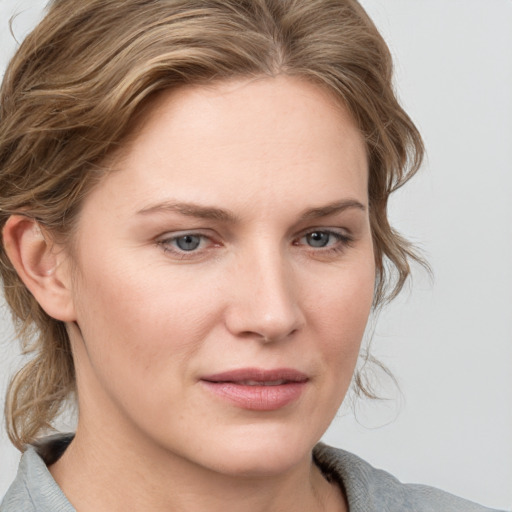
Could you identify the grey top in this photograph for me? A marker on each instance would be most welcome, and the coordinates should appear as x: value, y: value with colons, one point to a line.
x: 367, y: 489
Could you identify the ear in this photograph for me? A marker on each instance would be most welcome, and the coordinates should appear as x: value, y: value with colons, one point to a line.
x: 41, y: 265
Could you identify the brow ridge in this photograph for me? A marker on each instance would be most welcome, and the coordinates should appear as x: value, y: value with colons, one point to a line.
x: 223, y: 215
x: 332, y: 209
x: 191, y: 210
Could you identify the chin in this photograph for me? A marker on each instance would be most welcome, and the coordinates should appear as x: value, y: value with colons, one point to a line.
x: 260, y: 453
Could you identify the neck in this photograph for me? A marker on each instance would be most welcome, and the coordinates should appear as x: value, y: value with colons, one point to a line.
x: 103, y: 474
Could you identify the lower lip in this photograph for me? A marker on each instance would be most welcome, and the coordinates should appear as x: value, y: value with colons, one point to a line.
x: 257, y: 398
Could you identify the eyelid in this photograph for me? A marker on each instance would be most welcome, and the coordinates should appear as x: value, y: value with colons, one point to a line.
x: 164, y: 242
x: 172, y: 235
x: 344, y: 239
x: 342, y: 232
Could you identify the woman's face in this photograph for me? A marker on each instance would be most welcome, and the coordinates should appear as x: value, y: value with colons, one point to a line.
x: 224, y: 276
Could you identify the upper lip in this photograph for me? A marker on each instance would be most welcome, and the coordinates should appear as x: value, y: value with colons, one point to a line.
x: 257, y: 375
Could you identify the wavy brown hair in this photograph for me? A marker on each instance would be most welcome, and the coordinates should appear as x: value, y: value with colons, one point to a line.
x: 70, y: 95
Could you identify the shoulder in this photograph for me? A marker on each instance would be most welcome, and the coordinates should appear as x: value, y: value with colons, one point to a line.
x: 372, y: 490
x: 34, y: 489
x: 18, y: 496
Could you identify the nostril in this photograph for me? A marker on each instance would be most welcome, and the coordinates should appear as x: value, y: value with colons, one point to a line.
x: 268, y: 337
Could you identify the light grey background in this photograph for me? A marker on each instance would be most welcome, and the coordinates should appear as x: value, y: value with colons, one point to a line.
x: 449, y: 343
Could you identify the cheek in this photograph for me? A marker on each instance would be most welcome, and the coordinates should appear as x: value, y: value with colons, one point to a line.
x: 135, y: 322
x: 339, y: 315
x: 140, y: 335
x: 342, y: 310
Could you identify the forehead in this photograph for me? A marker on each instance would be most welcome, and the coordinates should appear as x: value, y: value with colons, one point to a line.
x: 245, y: 137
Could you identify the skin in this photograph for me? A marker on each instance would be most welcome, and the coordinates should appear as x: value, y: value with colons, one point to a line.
x: 148, y: 320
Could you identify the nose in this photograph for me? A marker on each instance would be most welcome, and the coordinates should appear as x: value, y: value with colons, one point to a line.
x: 264, y: 302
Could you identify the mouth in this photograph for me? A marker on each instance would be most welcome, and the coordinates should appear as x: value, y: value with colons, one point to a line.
x: 258, y: 376
x: 259, y: 383
x: 256, y: 389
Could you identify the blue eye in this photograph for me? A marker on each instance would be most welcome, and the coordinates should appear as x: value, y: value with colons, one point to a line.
x: 324, y: 242
x: 320, y: 238
x: 188, y: 243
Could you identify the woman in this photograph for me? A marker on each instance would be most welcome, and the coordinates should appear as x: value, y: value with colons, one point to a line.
x: 193, y: 206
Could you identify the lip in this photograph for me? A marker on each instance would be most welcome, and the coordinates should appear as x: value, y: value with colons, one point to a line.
x: 257, y: 389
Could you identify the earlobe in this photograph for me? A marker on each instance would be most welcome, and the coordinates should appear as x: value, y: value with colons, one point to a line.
x: 41, y: 266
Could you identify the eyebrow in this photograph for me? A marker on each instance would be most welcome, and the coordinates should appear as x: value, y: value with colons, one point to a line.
x: 332, y: 209
x: 191, y: 210
x: 222, y: 215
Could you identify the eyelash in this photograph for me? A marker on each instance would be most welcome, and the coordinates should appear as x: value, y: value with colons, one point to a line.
x: 342, y: 241
x: 166, y: 244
